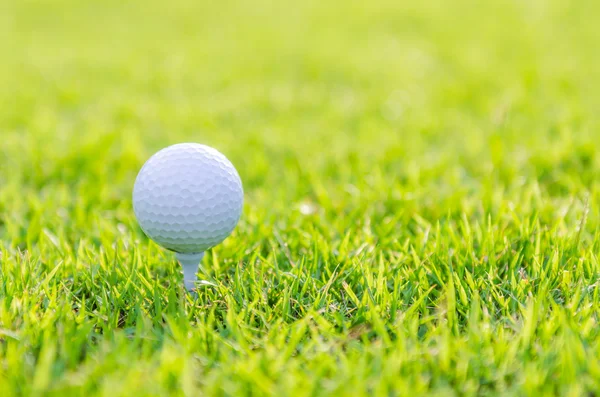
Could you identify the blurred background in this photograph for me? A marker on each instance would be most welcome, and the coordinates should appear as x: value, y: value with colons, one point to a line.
x: 425, y: 107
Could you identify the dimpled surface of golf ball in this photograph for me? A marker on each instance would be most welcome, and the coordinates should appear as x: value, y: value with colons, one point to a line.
x: 188, y: 198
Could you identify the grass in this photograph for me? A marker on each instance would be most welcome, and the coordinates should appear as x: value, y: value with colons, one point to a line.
x: 421, y: 209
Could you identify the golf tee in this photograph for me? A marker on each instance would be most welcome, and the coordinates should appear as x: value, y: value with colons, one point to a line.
x: 189, y: 263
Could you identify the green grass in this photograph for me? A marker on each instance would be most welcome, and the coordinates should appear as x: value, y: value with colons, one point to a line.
x: 422, y: 197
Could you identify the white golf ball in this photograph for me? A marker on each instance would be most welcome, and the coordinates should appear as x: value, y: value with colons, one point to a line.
x: 188, y: 198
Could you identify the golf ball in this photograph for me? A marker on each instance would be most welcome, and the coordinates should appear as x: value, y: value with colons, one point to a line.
x: 188, y: 198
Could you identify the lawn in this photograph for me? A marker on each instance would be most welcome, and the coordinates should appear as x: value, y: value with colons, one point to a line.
x: 421, y: 197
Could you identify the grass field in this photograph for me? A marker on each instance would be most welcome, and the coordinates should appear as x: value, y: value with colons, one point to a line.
x: 422, y: 198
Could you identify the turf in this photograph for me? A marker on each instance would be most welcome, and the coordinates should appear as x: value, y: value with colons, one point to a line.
x: 421, y: 186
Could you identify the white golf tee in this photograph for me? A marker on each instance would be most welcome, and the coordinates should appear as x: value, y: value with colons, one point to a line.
x: 189, y: 263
